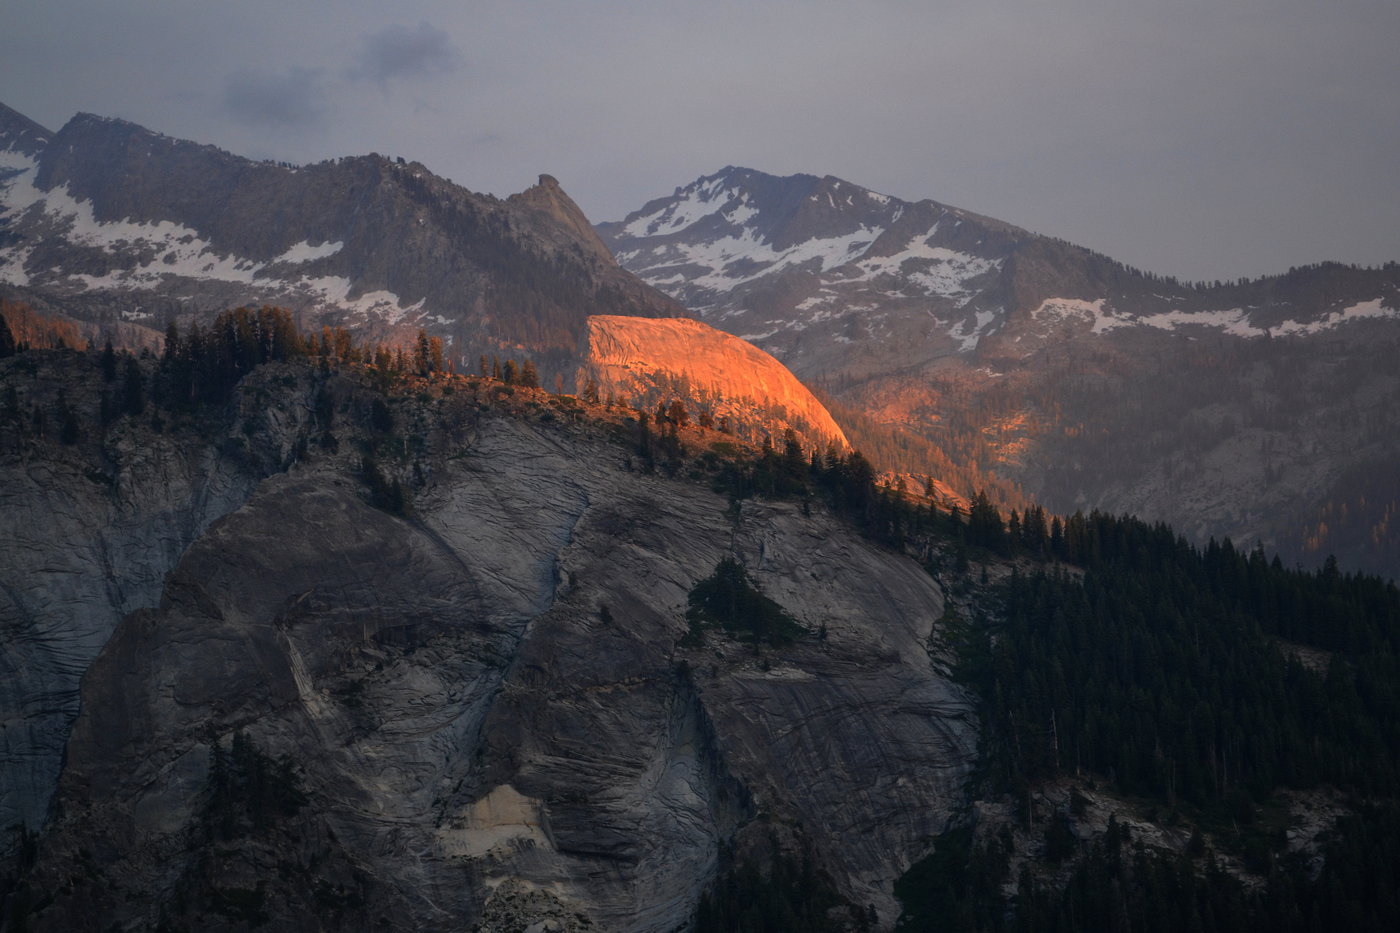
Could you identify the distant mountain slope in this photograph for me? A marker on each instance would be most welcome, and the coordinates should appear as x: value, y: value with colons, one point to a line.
x: 785, y: 260
x: 20, y: 135
x: 1257, y: 409
x: 107, y: 220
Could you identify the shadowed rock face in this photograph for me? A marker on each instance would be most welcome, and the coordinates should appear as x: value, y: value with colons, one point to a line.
x: 677, y: 357
x: 489, y: 696
x: 88, y: 533
x: 559, y: 212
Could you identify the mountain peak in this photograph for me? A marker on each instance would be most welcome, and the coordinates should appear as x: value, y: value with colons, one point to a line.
x: 20, y: 134
x: 121, y: 219
x: 547, y: 197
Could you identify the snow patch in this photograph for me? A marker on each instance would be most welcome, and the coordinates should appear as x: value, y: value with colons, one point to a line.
x: 1059, y: 309
x: 691, y: 206
x: 177, y: 251
x: 1232, y: 321
x: 1357, y: 312
x: 748, y: 251
x: 15, y: 161
x: 336, y: 290
x: 12, y: 266
x: 823, y: 297
x: 983, y: 324
x: 305, y: 252
x: 19, y: 191
x: 935, y: 270
x: 754, y: 338
x: 741, y: 213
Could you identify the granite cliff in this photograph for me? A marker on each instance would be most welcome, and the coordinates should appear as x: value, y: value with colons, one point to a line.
x: 478, y: 700
x: 90, y: 530
x: 653, y: 361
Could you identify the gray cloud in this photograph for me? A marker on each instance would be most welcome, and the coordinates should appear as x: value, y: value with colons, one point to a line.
x: 400, y: 52
x: 293, y: 98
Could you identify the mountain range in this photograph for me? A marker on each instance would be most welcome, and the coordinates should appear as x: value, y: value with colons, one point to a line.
x: 112, y: 223
x: 1265, y: 410
x: 121, y: 231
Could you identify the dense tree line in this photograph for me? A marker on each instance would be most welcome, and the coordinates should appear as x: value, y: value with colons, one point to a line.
x: 1162, y: 668
x: 783, y: 893
x: 203, y: 365
x: 1203, y: 679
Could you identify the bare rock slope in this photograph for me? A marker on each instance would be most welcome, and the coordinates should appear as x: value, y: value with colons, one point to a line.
x: 681, y: 358
x: 88, y: 532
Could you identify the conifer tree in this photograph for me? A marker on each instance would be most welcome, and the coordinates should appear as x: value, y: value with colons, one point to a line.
x: 109, y: 361
x: 134, y: 388
x: 8, y: 346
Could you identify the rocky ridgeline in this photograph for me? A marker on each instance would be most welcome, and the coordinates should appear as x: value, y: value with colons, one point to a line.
x: 107, y: 221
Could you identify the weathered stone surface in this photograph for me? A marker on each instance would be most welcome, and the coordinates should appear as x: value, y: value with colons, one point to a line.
x: 88, y: 533
x: 487, y: 704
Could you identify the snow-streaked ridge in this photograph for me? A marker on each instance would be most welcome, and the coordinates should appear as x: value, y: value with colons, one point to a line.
x: 694, y: 204
x: 737, y: 247
x: 743, y: 257
x: 935, y: 271
x: 176, y: 251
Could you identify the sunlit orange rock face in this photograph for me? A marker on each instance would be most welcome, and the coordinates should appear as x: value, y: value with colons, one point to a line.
x: 649, y: 361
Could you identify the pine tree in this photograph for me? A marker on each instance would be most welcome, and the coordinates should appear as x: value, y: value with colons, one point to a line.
x: 109, y: 361
x: 134, y: 388
x: 8, y: 346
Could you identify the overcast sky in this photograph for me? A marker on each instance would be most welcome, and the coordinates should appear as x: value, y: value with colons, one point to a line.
x: 1211, y: 139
